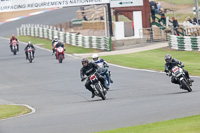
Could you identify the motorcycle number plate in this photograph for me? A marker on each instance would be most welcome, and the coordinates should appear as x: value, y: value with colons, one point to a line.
x: 175, y: 69
x: 92, y: 77
x: 30, y: 49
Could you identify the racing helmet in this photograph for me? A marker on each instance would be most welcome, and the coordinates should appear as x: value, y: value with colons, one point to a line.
x: 56, y: 38
x: 84, y: 62
x: 95, y: 57
x: 168, y: 58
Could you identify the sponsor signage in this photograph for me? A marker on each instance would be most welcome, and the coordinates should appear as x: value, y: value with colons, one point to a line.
x: 125, y: 3
x: 17, y: 5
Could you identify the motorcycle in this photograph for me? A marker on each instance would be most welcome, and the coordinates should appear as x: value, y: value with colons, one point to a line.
x: 60, y: 52
x: 105, y: 73
x: 179, y: 75
x: 30, y: 54
x: 14, y: 47
x: 98, y: 88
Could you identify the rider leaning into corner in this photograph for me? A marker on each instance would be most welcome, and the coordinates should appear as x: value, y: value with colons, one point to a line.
x: 170, y: 63
x: 11, y: 39
x: 29, y: 45
x: 97, y: 60
x: 89, y: 68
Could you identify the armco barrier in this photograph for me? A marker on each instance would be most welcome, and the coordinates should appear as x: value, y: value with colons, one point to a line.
x: 43, y: 31
x: 185, y: 43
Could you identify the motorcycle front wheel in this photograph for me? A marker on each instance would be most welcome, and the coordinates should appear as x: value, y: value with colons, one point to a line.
x: 101, y: 93
x: 60, y: 58
x: 186, y: 86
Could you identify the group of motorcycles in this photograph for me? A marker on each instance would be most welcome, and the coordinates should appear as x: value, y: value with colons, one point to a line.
x: 14, y: 49
x: 176, y: 72
x: 59, y: 52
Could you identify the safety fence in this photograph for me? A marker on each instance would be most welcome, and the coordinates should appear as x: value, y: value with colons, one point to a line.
x: 48, y: 32
x: 184, y: 43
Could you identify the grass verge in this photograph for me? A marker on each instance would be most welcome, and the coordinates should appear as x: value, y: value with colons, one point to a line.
x: 180, y: 2
x: 154, y: 60
x: 47, y: 44
x: 7, y: 111
x: 181, y: 125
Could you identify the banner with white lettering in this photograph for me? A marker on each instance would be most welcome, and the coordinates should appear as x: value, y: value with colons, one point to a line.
x: 17, y: 5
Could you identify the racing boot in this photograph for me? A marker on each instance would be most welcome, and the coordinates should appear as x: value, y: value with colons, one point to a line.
x: 106, y: 87
x: 180, y: 86
x: 190, y: 81
x: 93, y: 95
x: 111, y: 81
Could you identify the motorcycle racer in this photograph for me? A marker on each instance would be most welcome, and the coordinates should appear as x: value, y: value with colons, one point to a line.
x: 170, y: 63
x: 88, y: 68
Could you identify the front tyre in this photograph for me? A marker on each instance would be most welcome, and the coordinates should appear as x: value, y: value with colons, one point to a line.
x: 101, y: 94
x: 60, y: 58
x: 30, y: 57
x: 186, y: 86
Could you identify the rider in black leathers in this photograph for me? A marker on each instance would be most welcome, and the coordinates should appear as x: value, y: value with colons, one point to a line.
x: 170, y: 63
x: 90, y: 68
x: 28, y: 46
x: 60, y: 44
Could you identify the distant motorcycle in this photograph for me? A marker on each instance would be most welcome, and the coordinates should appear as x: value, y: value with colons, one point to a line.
x: 14, y: 47
x: 98, y: 88
x: 60, y: 52
x: 178, y: 73
x: 30, y: 54
x: 54, y: 48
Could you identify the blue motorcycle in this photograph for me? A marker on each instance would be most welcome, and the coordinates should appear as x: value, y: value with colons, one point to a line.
x: 106, y: 73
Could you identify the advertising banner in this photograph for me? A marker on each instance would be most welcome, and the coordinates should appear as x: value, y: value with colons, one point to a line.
x: 17, y: 5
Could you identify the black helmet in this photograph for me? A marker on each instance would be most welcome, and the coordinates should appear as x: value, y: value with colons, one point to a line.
x: 83, y: 61
x: 168, y: 58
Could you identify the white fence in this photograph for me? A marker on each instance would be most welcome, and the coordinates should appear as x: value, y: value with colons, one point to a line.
x: 45, y: 31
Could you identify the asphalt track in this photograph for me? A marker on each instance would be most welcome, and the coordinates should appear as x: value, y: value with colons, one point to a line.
x: 62, y: 103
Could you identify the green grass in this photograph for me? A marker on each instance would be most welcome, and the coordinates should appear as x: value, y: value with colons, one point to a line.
x: 154, y: 60
x: 7, y: 111
x: 179, y: 1
x: 47, y: 44
x: 182, y: 125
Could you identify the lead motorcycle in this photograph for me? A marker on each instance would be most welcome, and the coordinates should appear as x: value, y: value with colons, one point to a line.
x: 179, y: 75
x: 98, y: 88
x: 14, y: 47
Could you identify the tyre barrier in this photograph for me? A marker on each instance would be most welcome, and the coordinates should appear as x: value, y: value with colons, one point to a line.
x: 184, y: 43
x: 47, y: 32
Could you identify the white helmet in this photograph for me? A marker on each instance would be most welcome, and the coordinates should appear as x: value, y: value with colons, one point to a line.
x: 56, y: 38
x: 95, y: 57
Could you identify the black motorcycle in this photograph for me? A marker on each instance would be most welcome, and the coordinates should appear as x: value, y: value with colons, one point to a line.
x: 30, y: 54
x: 98, y: 88
x: 179, y: 75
